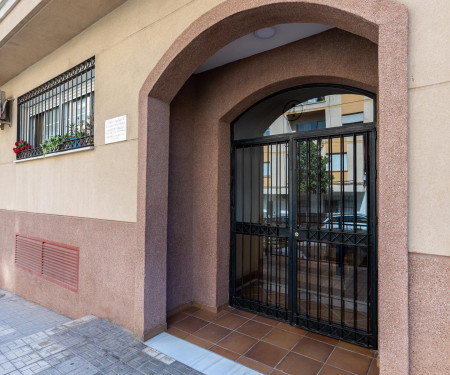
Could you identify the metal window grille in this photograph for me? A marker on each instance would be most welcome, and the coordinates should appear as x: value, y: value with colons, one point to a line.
x: 52, y: 261
x: 59, y: 114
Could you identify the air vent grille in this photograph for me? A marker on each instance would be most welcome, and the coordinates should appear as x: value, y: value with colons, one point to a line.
x: 52, y: 261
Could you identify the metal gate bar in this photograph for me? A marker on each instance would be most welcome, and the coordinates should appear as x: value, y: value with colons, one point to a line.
x: 300, y: 249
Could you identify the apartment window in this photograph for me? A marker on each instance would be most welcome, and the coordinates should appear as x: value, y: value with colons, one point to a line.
x: 267, y: 171
x: 336, y: 162
x: 312, y: 125
x: 353, y: 118
x: 58, y: 115
x: 319, y: 99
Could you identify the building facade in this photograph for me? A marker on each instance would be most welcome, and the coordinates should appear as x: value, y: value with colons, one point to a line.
x: 116, y: 200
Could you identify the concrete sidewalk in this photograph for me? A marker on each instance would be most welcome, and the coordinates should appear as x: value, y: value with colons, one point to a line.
x: 35, y: 340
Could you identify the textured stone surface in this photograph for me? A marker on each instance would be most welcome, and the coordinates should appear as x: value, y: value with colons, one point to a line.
x: 106, y: 264
x: 429, y: 278
x: 383, y: 22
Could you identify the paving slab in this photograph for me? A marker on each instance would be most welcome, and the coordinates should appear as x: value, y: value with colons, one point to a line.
x: 35, y: 340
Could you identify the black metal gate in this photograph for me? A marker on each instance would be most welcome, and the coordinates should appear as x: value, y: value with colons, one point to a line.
x: 303, y: 230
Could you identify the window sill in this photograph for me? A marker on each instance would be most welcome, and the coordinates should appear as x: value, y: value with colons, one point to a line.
x: 56, y: 154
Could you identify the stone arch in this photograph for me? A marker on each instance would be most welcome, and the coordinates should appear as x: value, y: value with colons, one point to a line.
x: 383, y: 22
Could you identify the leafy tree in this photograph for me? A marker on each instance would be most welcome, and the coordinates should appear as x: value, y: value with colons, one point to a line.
x: 310, y: 153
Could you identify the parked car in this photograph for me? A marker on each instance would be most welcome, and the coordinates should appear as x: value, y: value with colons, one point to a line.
x: 281, y: 217
x: 335, y: 222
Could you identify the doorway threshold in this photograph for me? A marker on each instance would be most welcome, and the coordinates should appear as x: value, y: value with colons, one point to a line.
x: 265, y: 345
x: 196, y: 357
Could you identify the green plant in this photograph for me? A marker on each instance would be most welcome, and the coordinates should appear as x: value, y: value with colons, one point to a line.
x: 53, y: 143
x: 315, y: 178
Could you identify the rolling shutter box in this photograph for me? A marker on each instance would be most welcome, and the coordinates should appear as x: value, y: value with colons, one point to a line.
x: 52, y: 261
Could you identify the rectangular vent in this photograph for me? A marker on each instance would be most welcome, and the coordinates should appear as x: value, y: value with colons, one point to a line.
x: 52, y: 261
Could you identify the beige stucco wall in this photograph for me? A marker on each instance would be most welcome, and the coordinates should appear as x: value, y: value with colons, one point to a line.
x: 429, y: 114
x: 101, y: 183
x: 127, y: 44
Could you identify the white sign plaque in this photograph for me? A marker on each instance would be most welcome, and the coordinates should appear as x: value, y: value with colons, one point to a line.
x: 116, y: 129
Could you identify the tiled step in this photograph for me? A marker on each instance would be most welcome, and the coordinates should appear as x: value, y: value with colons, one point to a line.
x: 196, y: 357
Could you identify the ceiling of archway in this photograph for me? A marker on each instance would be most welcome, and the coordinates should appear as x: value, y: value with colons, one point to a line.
x: 250, y: 44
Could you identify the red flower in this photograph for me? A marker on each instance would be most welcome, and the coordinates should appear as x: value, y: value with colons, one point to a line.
x: 29, y: 147
x: 22, y: 148
x: 16, y: 143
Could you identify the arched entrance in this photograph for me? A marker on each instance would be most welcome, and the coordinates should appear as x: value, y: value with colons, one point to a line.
x: 303, y: 211
x: 383, y: 23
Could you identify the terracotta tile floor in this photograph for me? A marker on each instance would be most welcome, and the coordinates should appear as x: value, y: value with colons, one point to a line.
x: 269, y: 346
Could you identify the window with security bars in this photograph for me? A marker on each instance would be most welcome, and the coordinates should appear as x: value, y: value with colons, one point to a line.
x: 58, y: 115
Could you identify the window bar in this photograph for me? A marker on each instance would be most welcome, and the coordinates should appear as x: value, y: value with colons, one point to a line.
x: 266, y: 281
x: 52, y: 112
x: 277, y: 215
x: 92, y: 114
x: 55, y: 111
x: 37, y: 122
x: 20, y: 122
x: 41, y: 118
x: 41, y: 110
x: 259, y: 269
x: 330, y: 209
x: 297, y: 247
x: 24, y: 109
x: 251, y: 221
x: 288, y: 215
x: 286, y: 288
x: 243, y: 221
x: 319, y: 210
x: 342, y: 249
x: 61, y: 104
x: 277, y: 184
x: 298, y: 173
x: 269, y: 209
x: 307, y: 177
x: 319, y: 182
x: 74, y: 108
x: 269, y: 254
x: 77, y: 116
x: 259, y: 213
x: 307, y: 277
x: 277, y: 274
x: 280, y: 190
x: 355, y: 249
x: 84, y: 96
x: 273, y: 171
x: 275, y: 246
x: 48, y: 112
x: 32, y: 118
x: 299, y: 281
x: 29, y: 121
x: 35, y: 119
x: 369, y: 225
x: 51, y: 115
x: 21, y: 110
x: 354, y: 183
x: 308, y: 220
x: 44, y: 116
